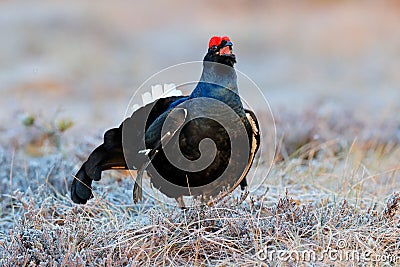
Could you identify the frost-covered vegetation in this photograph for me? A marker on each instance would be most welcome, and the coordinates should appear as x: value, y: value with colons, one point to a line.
x: 320, y: 193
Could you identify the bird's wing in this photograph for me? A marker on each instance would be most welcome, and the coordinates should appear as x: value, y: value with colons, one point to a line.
x: 176, y: 119
x: 136, y: 127
x: 254, y: 145
x: 161, y: 131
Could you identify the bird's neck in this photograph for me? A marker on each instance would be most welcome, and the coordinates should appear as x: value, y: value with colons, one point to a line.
x: 219, y: 81
x: 219, y: 74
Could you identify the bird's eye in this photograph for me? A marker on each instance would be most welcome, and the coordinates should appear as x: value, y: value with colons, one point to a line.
x: 214, y: 47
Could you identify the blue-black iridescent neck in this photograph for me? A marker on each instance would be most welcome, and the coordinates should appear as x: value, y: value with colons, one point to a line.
x: 219, y: 81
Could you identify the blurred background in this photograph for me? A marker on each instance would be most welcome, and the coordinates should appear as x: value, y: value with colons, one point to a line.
x: 83, y: 60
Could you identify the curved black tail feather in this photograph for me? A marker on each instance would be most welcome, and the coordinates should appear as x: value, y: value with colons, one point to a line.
x: 108, y: 155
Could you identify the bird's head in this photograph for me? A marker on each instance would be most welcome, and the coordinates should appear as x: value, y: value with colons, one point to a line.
x: 220, y: 51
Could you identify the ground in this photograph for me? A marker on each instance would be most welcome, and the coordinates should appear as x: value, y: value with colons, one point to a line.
x: 326, y: 196
x: 329, y: 71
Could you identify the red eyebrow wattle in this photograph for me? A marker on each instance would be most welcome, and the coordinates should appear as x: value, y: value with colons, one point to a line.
x: 214, y: 41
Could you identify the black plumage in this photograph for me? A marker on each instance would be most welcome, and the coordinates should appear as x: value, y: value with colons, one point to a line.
x: 170, y: 138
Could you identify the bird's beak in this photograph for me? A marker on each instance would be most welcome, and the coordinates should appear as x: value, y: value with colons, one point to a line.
x: 229, y: 43
x: 226, y: 50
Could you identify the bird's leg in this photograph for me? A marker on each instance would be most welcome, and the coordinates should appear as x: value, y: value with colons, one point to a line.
x: 137, y: 189
x: 180, y: 201
x: 243, y: 195
x: 243, y: 184
x: 245, y: 188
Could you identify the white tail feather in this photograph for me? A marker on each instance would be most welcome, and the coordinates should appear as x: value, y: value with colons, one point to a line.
x: 157, y: 91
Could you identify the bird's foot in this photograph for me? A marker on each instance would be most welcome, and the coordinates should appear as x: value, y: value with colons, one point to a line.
x: 244, y: 195
x: 181, y: 203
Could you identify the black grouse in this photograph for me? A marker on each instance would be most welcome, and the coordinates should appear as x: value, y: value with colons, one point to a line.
x: 199, y: 145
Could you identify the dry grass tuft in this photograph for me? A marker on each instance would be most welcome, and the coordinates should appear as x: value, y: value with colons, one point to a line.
x: 392, y: 205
